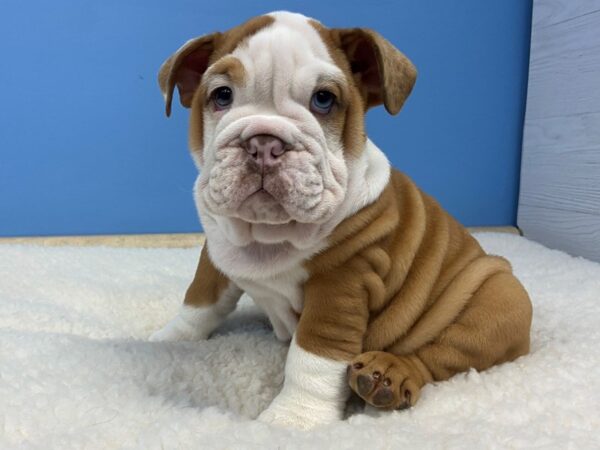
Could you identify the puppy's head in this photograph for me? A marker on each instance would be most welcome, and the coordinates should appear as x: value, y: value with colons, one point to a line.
x: 277, y: 114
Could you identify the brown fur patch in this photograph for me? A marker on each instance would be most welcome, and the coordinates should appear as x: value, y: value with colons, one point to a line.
x: 185, y: 67
x: 221, y: 61
x: 208, y: 284
x: 382, y: 72
x: 196, y: 128
x: 402, y: 276
x: 349, y: 122
x: 229, y: 66
x: 229, y: 40
x: 376, y: 73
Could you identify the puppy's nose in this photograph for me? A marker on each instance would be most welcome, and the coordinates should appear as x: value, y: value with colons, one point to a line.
x: 265, y: 148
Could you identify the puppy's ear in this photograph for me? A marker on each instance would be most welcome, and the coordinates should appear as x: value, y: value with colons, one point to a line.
x: 383, y: 73
x: 184, y: 69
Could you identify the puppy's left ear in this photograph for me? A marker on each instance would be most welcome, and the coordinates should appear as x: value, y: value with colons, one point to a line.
x: 382, y: 73
x: 184, y: 69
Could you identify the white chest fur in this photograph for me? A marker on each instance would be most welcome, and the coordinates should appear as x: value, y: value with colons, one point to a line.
x: 281, y: 297
x: 275, y: 281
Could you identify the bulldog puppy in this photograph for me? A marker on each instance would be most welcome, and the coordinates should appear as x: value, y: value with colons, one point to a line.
x: 378, y: 288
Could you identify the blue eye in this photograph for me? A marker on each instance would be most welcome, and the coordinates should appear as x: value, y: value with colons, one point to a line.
x: 222, y: 97
x: 322, y: 102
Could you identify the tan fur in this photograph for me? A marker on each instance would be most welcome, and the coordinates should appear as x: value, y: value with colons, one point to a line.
x: 208, y: 284
x: 402, y: 277
x: 415, y: 266
x: 230, y: 66
x: 405, y: 278
x: 345, y: 122
x: 196, y: 128
x: 234, y: 69
x: 350, y: 124
x: 383, y: 73
x: 229, y: 40
x: 375, y: 71
x: 185, y: 67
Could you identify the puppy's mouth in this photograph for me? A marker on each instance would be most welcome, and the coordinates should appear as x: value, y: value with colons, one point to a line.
x: 261, y: 206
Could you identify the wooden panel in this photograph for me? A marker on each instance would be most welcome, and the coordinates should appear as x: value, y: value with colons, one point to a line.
x: 551, y: 12
x: 578, y: 131
x: 564, y: 65
x: 562, y: 177
x: 559, y: 200
x: 177, y: 240
x: 573, y: 232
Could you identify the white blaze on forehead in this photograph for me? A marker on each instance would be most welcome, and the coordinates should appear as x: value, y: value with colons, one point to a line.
x: 285, y: 59
x: 300, y: 25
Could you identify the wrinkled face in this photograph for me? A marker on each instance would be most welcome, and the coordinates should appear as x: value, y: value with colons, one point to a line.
x: 277, y: 119
x: 270, y: 139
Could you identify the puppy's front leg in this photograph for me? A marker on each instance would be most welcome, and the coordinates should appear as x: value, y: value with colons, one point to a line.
x: 208, y: 300
x: 329, y: 334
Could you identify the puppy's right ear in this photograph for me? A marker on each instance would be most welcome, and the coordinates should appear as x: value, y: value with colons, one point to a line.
x: 184, y: 69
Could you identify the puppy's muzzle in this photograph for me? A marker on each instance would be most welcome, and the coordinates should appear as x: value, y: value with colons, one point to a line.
x: 266, y: 149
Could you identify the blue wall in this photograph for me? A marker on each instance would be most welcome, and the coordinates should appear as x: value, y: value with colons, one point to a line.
x: 85, y: 147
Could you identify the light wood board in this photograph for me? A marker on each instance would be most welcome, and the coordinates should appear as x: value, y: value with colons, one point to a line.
x: 559, y: 200
x: 183, y: 240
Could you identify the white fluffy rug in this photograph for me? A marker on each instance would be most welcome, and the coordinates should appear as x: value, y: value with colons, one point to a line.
x: 76, y: 370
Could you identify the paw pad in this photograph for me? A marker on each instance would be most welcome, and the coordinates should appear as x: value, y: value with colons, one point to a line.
x: 383, y: 380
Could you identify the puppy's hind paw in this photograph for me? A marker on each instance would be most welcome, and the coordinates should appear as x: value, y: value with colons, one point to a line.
x: 384, y: 380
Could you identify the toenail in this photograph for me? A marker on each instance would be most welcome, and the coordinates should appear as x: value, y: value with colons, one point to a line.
x: 387, y: 382
x: 358, y: 365
x: 376, y: 375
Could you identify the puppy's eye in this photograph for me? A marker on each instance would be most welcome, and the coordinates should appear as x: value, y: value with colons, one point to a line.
x: 222, y: 97
x: 322, y: 102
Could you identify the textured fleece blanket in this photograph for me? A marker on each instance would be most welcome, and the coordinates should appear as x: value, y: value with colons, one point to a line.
x: 77, y: 371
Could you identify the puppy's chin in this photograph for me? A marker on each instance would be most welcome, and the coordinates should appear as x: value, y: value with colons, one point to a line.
x: 262, y: 208
x: 268, y: 222
x: 299, y: 235
x: 244, y: 234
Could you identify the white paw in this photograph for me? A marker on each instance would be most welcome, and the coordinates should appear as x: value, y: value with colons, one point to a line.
x: 191, y: 324
x: 314, y: 391
x: 172, y: 334
x: 179, y: 330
